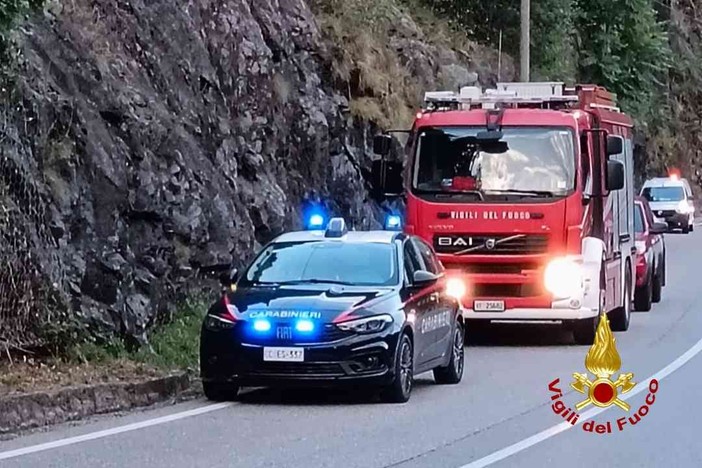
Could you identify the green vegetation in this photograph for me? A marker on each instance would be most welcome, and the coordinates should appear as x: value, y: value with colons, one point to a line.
x: 379, y: 87
x: 632, y: 47
x: 174, y: 345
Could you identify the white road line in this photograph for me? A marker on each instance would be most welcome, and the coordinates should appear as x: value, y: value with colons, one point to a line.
x: 113, y: 431
x: 564, y: 426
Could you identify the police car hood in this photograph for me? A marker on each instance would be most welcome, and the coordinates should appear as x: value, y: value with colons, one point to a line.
x: 291, y: 302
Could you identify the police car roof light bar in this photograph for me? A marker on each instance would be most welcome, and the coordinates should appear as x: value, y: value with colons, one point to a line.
x: 336, y: 228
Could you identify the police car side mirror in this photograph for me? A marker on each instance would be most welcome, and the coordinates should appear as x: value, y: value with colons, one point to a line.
x: 423, y: 278
x: 229, y: 277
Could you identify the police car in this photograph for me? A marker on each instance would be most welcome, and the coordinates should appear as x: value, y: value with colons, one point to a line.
x: 333, y: 306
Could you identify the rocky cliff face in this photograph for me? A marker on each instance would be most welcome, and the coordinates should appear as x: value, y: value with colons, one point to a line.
x: 149, y: 140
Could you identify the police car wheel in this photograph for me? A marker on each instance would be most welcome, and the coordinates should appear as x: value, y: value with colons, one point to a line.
x: 216, y: 391
x: 400, y: 389
x: 453, y: 373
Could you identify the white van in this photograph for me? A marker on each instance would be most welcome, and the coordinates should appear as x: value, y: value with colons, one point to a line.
x: 671, y: 200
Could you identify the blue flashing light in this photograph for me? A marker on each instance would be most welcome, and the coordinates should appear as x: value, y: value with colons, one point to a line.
x: 261, y: 325
x: 315, y: 221
x: 304, y: 326
x: 393, y: 222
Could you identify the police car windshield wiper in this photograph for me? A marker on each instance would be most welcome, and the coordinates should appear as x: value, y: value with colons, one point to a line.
x: 535, y: 193
x: 315, y: 281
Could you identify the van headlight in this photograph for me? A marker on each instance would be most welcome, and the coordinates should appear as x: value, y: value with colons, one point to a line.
x: 684, y: 207
x: 563, y: 277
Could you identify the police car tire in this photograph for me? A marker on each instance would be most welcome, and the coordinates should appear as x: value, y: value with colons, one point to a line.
x: 453, y: 373
x: 396, y: 392
x: 216, y: 391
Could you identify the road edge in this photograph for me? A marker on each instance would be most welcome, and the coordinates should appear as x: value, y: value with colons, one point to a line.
x: 41, y: 409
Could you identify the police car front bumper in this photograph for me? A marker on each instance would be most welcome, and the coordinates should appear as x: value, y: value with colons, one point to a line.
x: 357, y: 359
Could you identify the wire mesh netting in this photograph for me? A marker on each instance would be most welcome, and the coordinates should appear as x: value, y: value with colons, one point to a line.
x: 25, y: 290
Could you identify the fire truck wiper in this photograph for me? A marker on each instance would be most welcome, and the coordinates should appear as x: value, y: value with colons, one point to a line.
x: 453, y: 193
x: 535, y: 193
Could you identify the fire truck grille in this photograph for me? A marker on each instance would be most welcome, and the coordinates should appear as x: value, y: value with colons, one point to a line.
x: 493, y: 268
x: 488, y: 290
x: 498, y: 244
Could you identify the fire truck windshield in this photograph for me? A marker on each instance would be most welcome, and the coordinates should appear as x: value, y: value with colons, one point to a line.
x: 538, y: 162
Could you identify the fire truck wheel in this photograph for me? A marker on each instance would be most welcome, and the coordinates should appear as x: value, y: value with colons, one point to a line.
x: 584, y: 330
x: 619, y: 318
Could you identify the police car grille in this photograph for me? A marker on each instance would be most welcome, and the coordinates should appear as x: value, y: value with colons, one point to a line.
x: 528, y: 244
x: 328, y: 334
x: 298, y: 368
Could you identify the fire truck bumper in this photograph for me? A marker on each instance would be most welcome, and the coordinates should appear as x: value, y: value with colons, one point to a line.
x: 535, y: 314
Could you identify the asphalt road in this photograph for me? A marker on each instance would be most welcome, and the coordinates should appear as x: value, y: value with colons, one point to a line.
x: 503, y: 400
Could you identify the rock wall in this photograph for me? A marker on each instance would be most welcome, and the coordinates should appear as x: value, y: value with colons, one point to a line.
x: 150, y: 140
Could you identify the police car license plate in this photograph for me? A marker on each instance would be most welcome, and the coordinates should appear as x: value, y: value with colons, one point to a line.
x: 284, y: 354
x: 489, y: 306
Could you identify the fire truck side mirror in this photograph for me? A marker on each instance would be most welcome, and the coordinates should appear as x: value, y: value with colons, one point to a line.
x: 615, y: 145
x: 382, y: 144
x: 615, y: 175
x: 386, y: 179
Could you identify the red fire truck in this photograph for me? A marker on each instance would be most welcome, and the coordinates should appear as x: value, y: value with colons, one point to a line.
x: 526, y: 192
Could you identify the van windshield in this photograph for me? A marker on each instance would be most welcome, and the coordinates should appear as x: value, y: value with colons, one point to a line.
x: 537, y: 161
x: 664, y: 194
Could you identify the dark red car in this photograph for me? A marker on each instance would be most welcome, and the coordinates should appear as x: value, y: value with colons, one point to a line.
x: 650, y: 255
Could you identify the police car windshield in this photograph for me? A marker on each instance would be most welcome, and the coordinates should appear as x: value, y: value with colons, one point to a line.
x: 538, y: 162
x: 318, y: 262
x: 664, y: 194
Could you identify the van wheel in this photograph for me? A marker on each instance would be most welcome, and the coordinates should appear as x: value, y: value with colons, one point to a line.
x: 400, y: 389
x: 686, y: 230
x: 453, y: 373
x: 620, y: 317
x: 643, y: 296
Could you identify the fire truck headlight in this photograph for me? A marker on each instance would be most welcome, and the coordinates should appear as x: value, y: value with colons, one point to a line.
x: 563, y: 277
x: 456, y: 288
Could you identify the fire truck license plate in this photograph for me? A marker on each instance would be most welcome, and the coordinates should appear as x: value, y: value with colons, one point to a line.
x: 489, y: 306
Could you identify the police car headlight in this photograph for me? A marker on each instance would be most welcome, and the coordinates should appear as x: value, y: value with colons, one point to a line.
x: 216, y: 323
x: 373, y: 324
x: 563, y: 277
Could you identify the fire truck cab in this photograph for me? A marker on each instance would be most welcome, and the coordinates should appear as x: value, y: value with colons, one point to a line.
x: 525, y: 192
